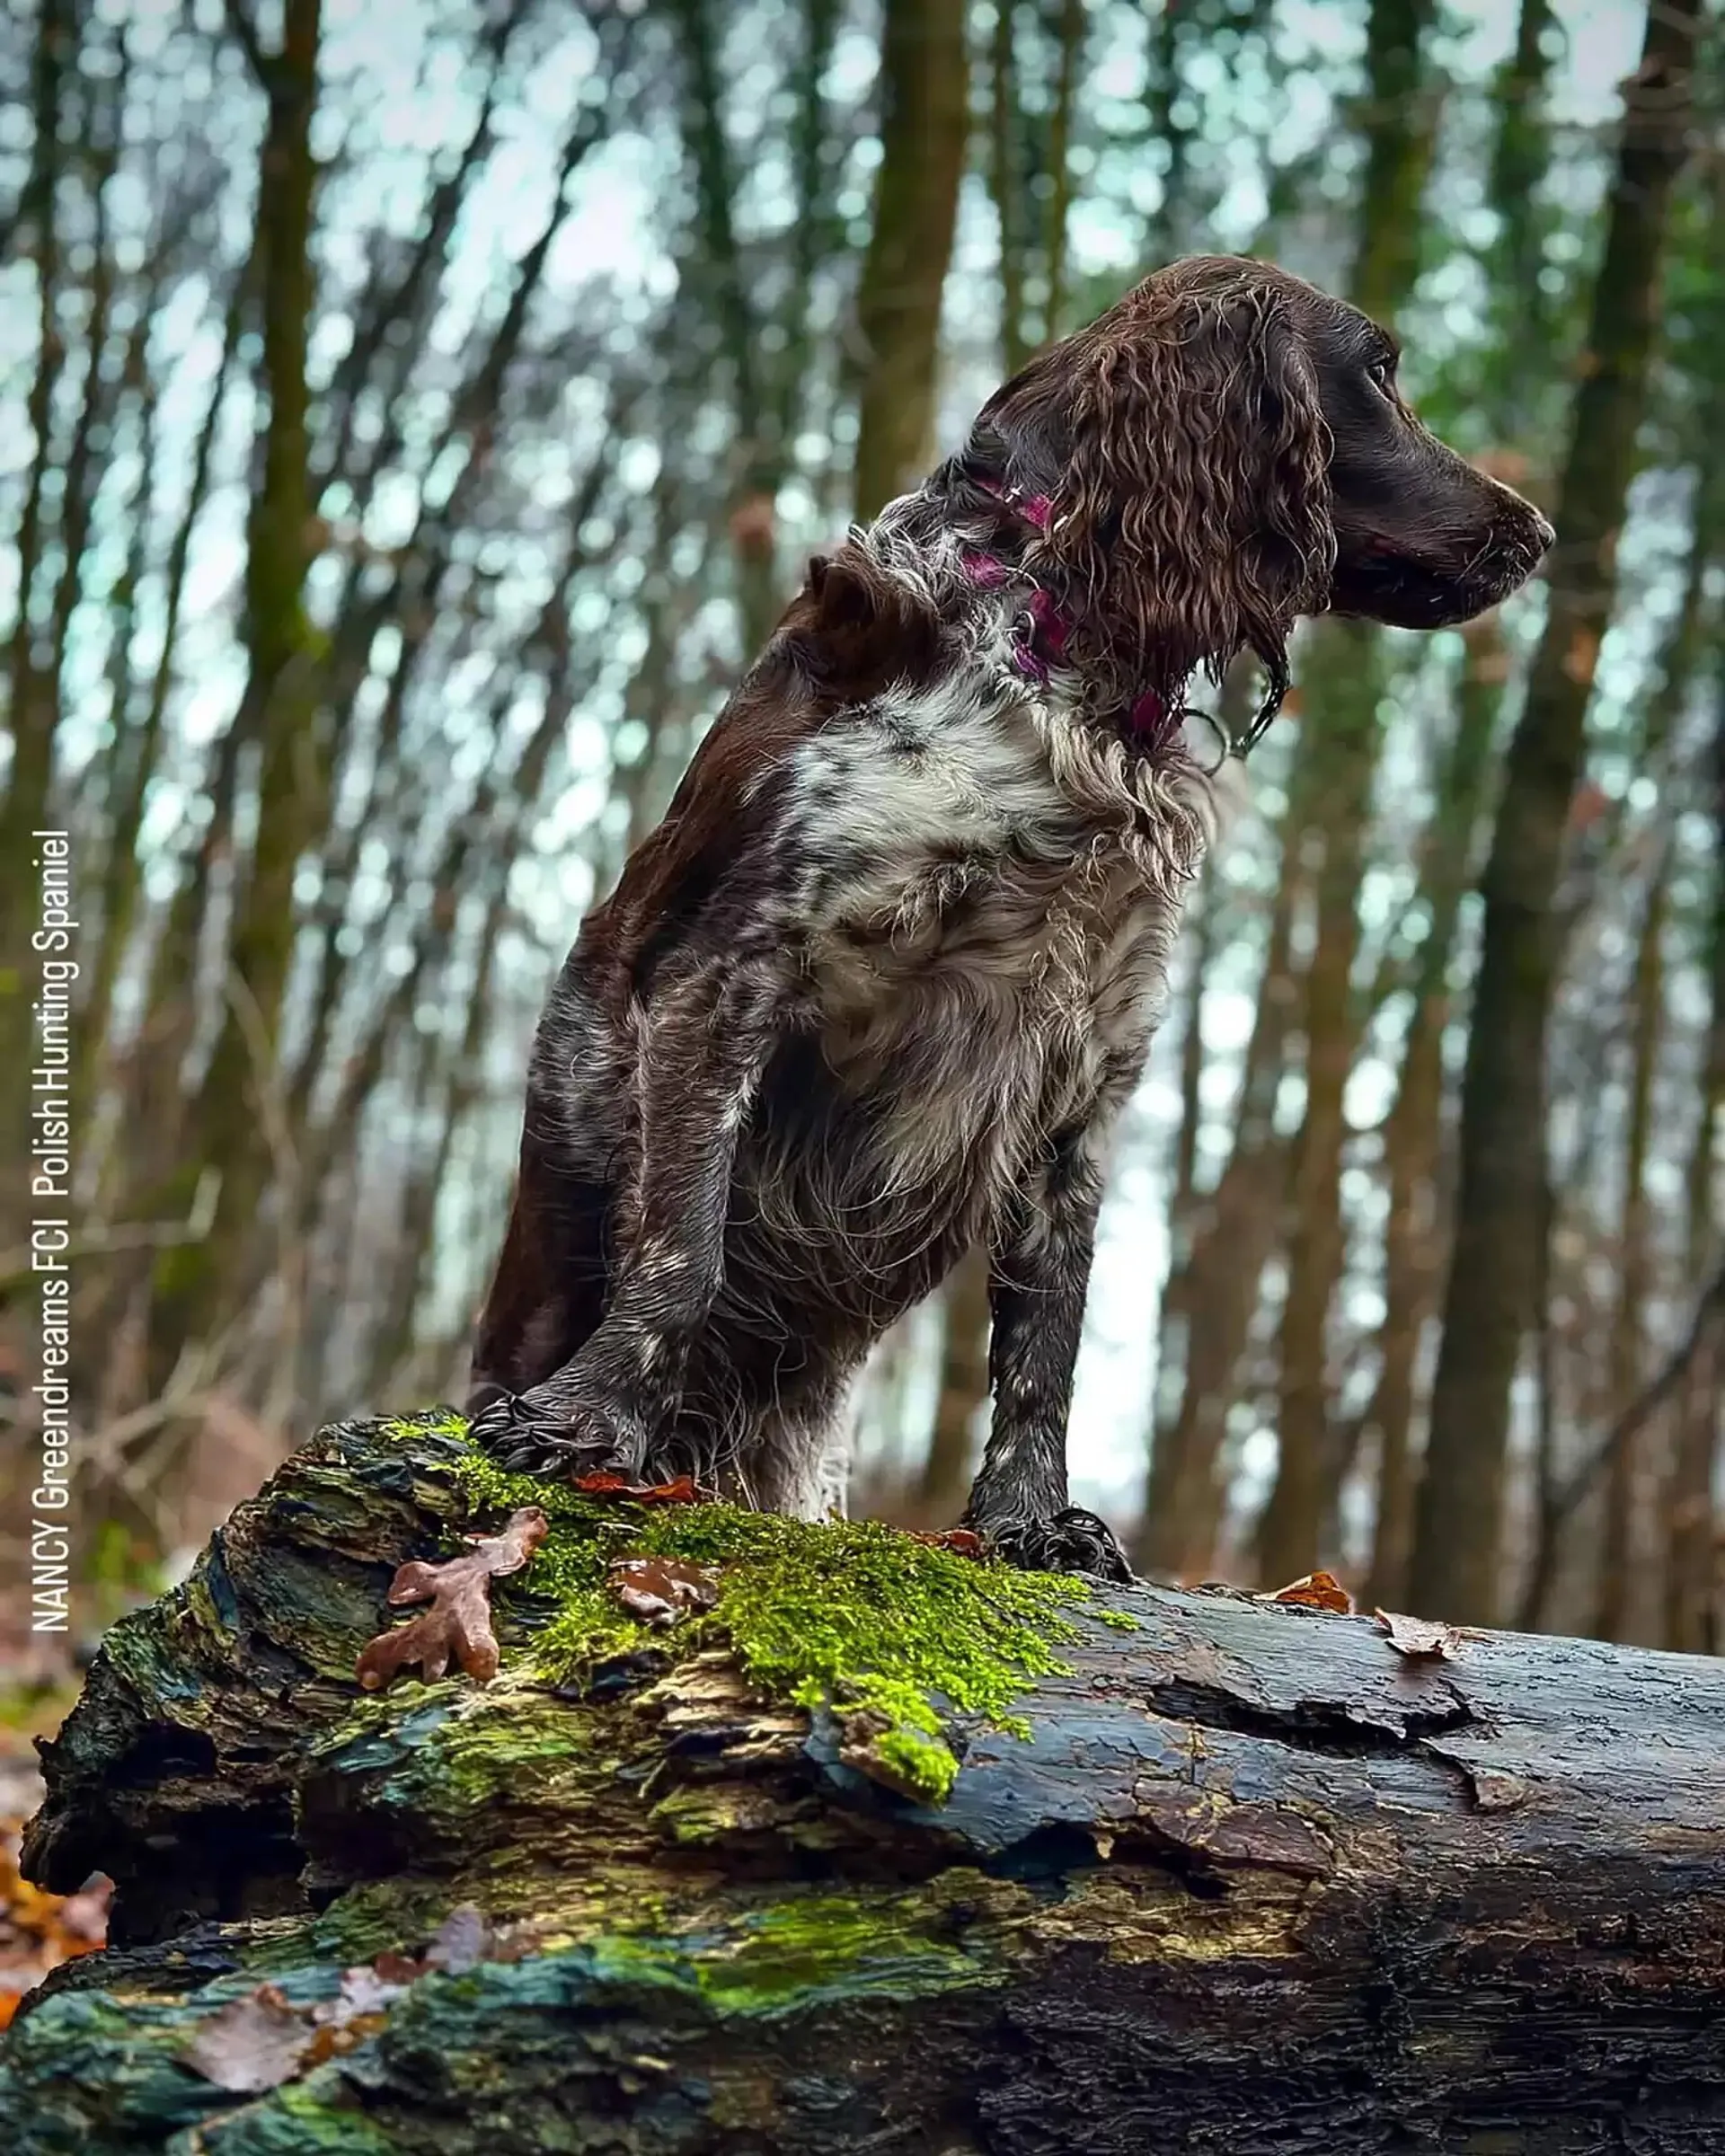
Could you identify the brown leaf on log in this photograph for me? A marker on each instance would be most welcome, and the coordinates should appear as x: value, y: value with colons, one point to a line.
x: 682, y: 1490
x: 458, y: 1625
x: 250, y: 2044
x: 662, y: 1590
x: 256, y: 2043
x: 1418, y: 1637
x: 963, y: 1541
x: 1315, y: 1591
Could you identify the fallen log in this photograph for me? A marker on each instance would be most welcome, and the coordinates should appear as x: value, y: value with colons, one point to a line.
x: 1212, y: 1874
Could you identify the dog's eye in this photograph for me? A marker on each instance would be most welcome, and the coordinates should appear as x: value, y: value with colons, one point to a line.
x: 1382, y: 372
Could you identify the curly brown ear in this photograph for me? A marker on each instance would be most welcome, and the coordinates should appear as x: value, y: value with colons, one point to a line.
x: 1183, y: 445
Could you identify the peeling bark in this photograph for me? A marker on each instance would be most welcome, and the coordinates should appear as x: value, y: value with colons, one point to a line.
x: 1253, y: 1883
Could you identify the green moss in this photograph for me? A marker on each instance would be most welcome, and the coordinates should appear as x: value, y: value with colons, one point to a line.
x: 847, y: 1614
x: 404, y: 1429
x: 1118, y: 1621
x: 826, y: 1946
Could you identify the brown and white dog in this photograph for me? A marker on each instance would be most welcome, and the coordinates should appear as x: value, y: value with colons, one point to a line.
x: 876, y: 988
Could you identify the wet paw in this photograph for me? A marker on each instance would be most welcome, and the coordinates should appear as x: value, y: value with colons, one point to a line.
x: 1072, y: 1541
x: 535, y: 1433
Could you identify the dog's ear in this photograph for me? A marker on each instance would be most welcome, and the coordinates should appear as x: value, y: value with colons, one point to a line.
x: 1184, y: 453
x: 856, y: 627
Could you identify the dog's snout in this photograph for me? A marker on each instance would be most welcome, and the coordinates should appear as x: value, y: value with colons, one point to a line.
x: 1544, y: 532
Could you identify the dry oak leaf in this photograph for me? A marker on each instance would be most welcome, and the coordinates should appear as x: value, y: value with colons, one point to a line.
x: 251, y: 2043
x: 662, y: 1590
x: 458, y: 1624
x: 682, y: 1490
x: 1315, y: 1591
x: 964, y: 1542
x: 256, y: 2043
x: 1418, y: 1636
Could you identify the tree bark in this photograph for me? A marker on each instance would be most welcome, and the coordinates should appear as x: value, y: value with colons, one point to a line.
x: 1489, y: 1300
x: 1169, y: 1916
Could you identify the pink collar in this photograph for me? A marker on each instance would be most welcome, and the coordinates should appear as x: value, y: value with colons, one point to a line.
x: 1040, y: 632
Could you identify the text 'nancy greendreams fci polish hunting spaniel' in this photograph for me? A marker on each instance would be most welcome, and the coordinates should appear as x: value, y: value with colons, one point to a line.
x: 876, y: 988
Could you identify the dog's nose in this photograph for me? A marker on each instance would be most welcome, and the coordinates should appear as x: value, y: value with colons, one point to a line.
x: 1544, y: 532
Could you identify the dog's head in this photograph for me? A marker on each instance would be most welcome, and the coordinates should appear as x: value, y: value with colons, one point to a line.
x: 1224, y: 451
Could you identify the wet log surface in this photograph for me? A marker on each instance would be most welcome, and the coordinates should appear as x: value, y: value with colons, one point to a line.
x: 1253, y: 1882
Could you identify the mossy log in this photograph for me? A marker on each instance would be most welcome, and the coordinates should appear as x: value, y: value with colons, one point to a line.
x: 1213, y: 1875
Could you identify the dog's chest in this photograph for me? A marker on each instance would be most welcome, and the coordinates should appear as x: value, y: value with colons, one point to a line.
x: 971, y: 933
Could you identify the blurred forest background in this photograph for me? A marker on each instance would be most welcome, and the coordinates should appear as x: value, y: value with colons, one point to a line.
x: 412, y: 418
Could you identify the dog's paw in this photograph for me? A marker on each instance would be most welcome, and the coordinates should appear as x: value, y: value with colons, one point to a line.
x: 1072, y: 1541
x: 547, y: 1434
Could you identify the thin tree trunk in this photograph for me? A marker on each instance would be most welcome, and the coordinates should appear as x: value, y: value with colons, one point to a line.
x: 1416, y: 1230
x: 1005, y: 184
x: 1073, y: 23
x: 1413, y: 1136
x: 1623, y: 1479
x: 279, y: 703
x: 1625, y: 1490
x: 963, y: 1387
x: 1164, y: 228
x: 1691, y: 1619
x: 32, y: 707
x: 136, y: 749
x: 926, y: 105
x: 1214, y: 1293
x: 1398, y: 130
x: 1489, y: 1301
x: 1290, y: 1529
x: 754, y: 538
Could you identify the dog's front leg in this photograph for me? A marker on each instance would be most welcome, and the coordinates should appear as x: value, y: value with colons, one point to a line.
x: 1040, y: 1267
x: 703, y: 1045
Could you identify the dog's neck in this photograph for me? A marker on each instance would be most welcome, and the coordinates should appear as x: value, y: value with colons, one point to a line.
x: 959, y: 561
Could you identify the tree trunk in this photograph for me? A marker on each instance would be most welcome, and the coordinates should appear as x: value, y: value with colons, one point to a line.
x: 1625, y: 1478
x: 754, y: 481
x: 279, y: 709
x: 1489, y: 1301
x: 1006, y: 185
x: 1691, y: 1564
x: 1344, y: 725
x: 963, y: 1388
x: 926, y: 105
x: 1210, y: 1299
x: 32, y: 700
x: 1166, y: 1916
x: 1416, y: 1229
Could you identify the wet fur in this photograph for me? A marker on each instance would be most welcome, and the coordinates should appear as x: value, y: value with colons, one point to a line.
x: 879, y: 985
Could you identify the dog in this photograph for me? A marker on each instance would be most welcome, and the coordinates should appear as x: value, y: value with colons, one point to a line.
x: 876, y: 988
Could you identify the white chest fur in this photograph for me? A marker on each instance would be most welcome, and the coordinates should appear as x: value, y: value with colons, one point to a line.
x: 991, y: 893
